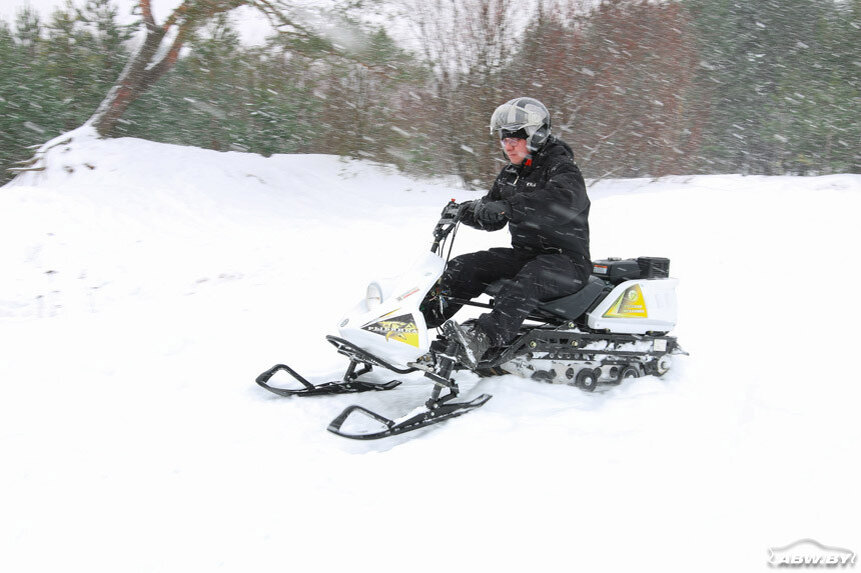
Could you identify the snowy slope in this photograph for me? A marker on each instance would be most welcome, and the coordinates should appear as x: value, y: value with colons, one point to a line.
x: 145, y: 285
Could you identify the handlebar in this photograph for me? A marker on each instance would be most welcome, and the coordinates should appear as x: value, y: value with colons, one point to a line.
x: 450, y: 211
x: 448, y: 221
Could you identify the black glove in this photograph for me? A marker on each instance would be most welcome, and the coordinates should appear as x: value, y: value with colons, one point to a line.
x: 491, y: 212
x: 465, y: 209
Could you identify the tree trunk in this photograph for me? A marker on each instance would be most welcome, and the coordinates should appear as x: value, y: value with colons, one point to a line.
x: 142, y: 70
x: 133, y: 82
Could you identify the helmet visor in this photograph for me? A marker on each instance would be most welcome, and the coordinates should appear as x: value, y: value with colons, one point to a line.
x: 511, y: 117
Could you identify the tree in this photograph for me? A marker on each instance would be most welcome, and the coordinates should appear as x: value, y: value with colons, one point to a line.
x: 617, y: 79
x: 149, y: 63
x: 360, y: 99
x: 224, y: 96
x: 466, y: 44
x: 161, y: 47
x: 781, y: 81
x: 83, y: 54
x: 28, y: 94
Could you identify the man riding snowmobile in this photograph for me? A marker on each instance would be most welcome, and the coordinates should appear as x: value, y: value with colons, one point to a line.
x: 541, y: 195
x: 557, y: 316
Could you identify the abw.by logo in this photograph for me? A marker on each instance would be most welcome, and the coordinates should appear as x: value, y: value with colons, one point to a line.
x: 810, y: 553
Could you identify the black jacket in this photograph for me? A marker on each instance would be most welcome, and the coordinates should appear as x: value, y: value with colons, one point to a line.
x: 549, y: 204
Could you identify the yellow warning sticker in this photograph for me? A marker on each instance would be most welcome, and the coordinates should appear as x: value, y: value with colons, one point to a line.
x: 631, y: 304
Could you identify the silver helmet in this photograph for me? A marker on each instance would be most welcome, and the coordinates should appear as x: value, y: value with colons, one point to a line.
x: 526, y: 114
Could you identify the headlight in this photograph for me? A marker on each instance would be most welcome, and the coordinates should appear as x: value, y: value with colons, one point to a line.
x: 373, y: 296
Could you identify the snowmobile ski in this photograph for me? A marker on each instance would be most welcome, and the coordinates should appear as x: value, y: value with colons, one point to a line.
x: 347, y: 385
x: 426, y: 417
x: 437, y: 409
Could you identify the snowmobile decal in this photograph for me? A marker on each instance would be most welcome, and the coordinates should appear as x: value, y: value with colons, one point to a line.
x: 401, y: 329
x: 630, y: 304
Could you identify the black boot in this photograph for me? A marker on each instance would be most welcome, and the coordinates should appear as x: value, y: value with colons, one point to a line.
x: 474, y: 342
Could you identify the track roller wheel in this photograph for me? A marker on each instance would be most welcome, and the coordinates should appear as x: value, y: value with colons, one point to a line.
x: 587, y: 379
x: 660, y: 366
x: 628, y: 372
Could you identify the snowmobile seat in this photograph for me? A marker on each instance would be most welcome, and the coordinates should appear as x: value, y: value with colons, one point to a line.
x: 570, y: 306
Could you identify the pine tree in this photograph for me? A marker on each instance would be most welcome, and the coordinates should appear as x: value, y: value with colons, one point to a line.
x: 781, y: 82
x: 27, y: 95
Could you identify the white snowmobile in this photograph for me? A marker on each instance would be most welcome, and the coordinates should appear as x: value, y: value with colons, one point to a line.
x: 613, y: 328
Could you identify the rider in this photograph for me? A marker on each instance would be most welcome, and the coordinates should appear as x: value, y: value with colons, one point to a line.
x: 542, y: 197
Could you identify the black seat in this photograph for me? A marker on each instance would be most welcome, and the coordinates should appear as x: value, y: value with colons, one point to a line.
x: 570, y: 306
x: 573, y: 305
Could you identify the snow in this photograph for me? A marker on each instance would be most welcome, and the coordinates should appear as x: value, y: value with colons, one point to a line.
x: 144, y: 286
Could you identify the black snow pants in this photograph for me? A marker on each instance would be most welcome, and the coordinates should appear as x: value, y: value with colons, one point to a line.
x: 530, y: 279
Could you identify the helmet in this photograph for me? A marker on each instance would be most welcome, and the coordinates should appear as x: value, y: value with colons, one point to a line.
x: 522, y: 113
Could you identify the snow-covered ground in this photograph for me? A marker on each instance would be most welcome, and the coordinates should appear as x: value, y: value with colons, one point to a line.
x: 144, y: 286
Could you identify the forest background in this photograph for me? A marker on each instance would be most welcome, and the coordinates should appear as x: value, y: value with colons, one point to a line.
x: 638, y: 88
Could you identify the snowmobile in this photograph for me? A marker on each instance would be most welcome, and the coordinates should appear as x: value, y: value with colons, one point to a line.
x: 614, y: 328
